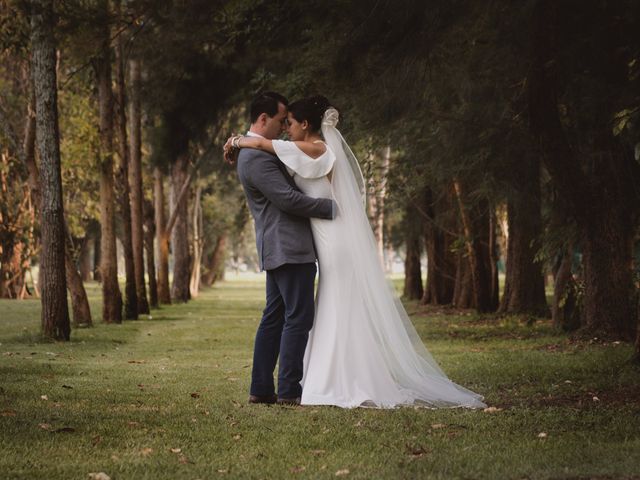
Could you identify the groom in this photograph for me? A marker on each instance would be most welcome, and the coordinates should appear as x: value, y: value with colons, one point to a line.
x: 285, y: 249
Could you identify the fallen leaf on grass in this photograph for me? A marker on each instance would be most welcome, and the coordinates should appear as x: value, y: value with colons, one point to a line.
x: 195, y: 395
x: 136, y: 361
x: 435, y: 426
x: 416, y: 451
x: 145, y: 452
x: 44, y: 426
x: 8, y: 413
x: 99, y: 476
x: 64, y: 430
x: 67, y: 386
x: 96, y: 440
x: 223, y: 470
x: 44, y: 397
x: 492, y: 410
x: 175, y: 450
x: 342, y: 472
x: 237, y: 437
x: 542, y: 435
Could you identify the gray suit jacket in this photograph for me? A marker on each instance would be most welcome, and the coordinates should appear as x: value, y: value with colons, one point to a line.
x: 280, y: 210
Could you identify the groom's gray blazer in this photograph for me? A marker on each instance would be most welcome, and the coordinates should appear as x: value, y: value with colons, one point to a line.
x: 280, y: 210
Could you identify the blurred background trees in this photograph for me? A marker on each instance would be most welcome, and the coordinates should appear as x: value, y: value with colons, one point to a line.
x: 501, y: 144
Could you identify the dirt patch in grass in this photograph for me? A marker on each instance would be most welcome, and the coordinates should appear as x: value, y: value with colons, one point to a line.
x: 583, y: 399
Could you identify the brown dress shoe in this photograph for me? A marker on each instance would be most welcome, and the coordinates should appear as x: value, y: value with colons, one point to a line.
x: 289, y: 401
x: 269, y: 399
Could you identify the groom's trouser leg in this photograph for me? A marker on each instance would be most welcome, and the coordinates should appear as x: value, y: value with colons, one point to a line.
x: 296, y: 285
x: 267, y: 343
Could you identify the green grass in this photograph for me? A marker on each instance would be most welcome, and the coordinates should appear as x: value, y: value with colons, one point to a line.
x: 118, y: 398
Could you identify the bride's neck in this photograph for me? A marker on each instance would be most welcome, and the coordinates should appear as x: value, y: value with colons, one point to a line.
x: 312, y: 137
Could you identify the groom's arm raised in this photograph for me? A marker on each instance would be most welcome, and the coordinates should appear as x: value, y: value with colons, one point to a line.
x: 267, y: 177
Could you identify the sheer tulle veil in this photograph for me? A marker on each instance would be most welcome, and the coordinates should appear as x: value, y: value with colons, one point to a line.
x: 412, y: 366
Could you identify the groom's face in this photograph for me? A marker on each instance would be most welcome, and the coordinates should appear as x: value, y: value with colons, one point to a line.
x: 277, y: 124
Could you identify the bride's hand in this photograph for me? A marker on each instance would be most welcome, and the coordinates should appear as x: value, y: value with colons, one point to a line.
x: 229, y: 152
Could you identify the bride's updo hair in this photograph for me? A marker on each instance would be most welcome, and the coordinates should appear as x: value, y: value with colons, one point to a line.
x: 310, y: 109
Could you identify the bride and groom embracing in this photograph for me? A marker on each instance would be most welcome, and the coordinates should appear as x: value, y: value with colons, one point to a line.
x: 353, y: 344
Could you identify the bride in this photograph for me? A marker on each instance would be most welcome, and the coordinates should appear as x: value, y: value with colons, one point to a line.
x: 363, y: 349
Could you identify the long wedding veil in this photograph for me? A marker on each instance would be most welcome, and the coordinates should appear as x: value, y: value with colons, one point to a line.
x: 411, y: 365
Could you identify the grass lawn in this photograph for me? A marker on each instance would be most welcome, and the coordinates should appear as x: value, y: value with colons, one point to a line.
x: 165, y: 398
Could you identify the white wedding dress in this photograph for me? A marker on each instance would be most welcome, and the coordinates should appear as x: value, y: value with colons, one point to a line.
x: 363, y: 349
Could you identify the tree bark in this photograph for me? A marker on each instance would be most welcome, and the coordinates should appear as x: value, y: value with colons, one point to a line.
x: 609, y: 305
x: 164, y: 295
x: 463, y: 291
x: 438, y: 241
x: 122, y: 182
x: 111, y: 296
x: 602, y: 199
x: 476, y: 240
x: 216, y: 262
x: 55, y: 311
x: 180, y: 232
x: 149, y: 235
x: 565, y: 310
x: 97, y: 249
x: 135, y: 184
x: 84, y: 259
x: 198, y: 244
x: 79, y: 300
x: 524, y: 282
x: 413, y: 289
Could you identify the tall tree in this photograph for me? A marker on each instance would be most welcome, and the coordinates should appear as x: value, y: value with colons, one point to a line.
x: 111, y: 296
x: 135, y: 184
x: 122, y: 177
x: 164, y: 294
x: 55, y: 311
x: 596, y: 177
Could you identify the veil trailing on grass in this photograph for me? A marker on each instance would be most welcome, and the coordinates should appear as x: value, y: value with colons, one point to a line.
x: 412, y: 367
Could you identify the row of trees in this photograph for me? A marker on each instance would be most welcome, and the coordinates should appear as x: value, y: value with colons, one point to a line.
x: 492, y: 134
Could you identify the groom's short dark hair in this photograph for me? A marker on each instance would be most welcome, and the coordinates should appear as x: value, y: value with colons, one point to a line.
x: 266, y: 102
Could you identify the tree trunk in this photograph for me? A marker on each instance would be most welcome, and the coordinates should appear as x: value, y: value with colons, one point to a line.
x: 97, y: 250
x: 413, y: 289
x: 164, y: 295
x: 438, y: 241
x: 565, y: 310
x: 84, y: 259
x: 180, y: 232
x: 609, y: 305
x: 198, y: 244
x: 493, y: 259
x: 149, y: 235
x: 55, y: 311
x: 524, y: 283
x: 603, y: 199
x: 111, y: 296
x: 463, y: 291
x: 476, y: 240
x: 122, y: 183
x: 135, y: 184
x: 79, y: 301
x: 216, y: 262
